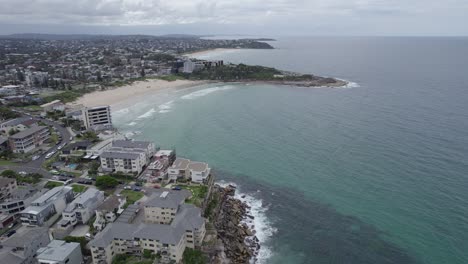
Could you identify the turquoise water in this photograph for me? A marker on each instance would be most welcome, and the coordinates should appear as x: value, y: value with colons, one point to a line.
x: 374, y: 173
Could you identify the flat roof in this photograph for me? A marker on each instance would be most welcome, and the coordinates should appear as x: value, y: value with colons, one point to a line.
x: 28, y: 132
x: 57, y: 250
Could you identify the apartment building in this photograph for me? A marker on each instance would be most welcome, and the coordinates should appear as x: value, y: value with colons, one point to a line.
x: 179, y: 169
x: 60, y: 252
x: 184, y: 227
x: 80, y: 210
x: 52, y: 202
x: 199, y: 172
x: 127, y: 156
x: 97, y: 118
x: 27, y: 140
x: 20, y: 124
x: 7, y: 187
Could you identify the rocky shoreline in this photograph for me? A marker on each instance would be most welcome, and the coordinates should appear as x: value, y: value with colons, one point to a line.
x: 231, y: 222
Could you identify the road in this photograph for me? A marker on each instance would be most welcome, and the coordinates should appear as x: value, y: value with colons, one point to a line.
x: 35, y: 166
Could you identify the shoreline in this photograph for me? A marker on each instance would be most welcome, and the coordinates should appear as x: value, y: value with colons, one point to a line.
x: 207, y: 51
x: 119, y: 96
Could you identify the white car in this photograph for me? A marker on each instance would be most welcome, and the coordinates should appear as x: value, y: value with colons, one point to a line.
x: 128, y: 187
x: 22, y: 173
x: 35, y: 157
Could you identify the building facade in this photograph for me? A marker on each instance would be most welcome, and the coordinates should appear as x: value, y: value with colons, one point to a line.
x: 7, y: 187
x: 81, y: 210
x: 97, y: 118
x: 52, y: 202
x: 29, y: 139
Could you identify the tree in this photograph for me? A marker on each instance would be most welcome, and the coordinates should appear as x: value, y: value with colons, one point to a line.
x: 106, y: 182
x: 9, y: 173
x: 12, y: 131
x: 192, y: 256
x: 93, y: 168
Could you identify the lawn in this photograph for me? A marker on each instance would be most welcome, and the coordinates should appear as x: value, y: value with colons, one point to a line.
x: 79, y: 188
x: 198, y: 193
x: 52, y: 184
x: 132, y: 196
x: 6, y: 162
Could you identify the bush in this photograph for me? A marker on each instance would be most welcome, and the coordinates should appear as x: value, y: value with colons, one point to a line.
x: 192, y: 256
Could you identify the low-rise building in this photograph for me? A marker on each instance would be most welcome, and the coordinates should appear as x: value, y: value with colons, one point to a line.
x: 21, y: 248
x: 52, y: 202
x: 81, y: 210
x: 19, y: 124
x: 123, y: 161
x: 97, y: 118
x: 108, y: 211
x: 161, y: 208
x: 197, y: 172
x: 135, y: 145
x: 55, y: 105
x: 27, y: 140
x: 7, y: 187
x: 60, y: 252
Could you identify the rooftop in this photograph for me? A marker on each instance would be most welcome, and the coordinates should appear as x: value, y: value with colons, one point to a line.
x: 5, y: 181
x: 28, y: 132
x: 198, y: 166
x: 131, y: 144
x: 110, y: 203
x: 181, y: 163
x: 57, y: 250
x: 87, y: 198
x: 168, y: 198
x: 120, y: 155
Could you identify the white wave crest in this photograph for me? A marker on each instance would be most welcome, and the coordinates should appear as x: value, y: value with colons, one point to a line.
x: 261, y: 225
x: 166, y: 107
x: 122, y: 111
x: 204, y: 92
x: 350, y: 84
x: 131, y: 124
x: 147, y: 114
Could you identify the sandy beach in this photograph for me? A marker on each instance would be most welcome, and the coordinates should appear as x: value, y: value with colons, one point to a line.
x: 129, y: 93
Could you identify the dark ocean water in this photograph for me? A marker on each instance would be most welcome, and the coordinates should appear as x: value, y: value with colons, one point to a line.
x: 374, y: 173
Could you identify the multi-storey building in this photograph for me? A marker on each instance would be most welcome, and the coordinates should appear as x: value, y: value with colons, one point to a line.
x: 184, y: 227
x: 97, y: 118
x: 107, y: 212
x: 80, y: 210
x: 7, y: 187
x: 27, y: 140
x: 21, y: 248
x: 127, y: 156
x: 50, y: 203
x: 197, y: 172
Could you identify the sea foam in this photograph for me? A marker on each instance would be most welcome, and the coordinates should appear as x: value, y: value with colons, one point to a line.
x: 147, y: 114
x: 166, y: 107
x: 262, y: 226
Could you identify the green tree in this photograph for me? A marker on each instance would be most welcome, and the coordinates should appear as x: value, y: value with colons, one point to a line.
x: 93, y: 168
x: 192, y: 256
x: 9, y: 173
x: 106, y: 182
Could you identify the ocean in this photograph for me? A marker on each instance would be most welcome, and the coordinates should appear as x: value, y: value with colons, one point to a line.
x: 376, y: 172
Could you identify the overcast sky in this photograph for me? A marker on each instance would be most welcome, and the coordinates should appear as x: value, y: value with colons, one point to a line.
x: 254, y: 17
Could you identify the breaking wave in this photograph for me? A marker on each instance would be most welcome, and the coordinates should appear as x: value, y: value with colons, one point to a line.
x: 260, y: 225
x: 147, y: 114
x: 166, y: 107
x: 204, y: 92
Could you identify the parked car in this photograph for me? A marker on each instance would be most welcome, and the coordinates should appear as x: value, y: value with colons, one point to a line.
x: 176, y: 188
x: 35, y: 157
x: 22, y: 173
x: 55, y: 172
x: 49, y: 155
x: 156, y: 186
x: 128, y: 187
x: 10, y: 233
x: 136, y: 189
x: 138, y: 184
x: 88, y: 182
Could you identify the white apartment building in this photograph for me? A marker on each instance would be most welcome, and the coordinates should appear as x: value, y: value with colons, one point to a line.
x: 7, y: 187
x: 199, y: 171
x: 27, y: 140
x: 80, y: 210
x: 97, y: 118
x: 127, y: 156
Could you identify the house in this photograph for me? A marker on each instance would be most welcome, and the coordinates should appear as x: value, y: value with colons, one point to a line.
x: 199, y: 171
x: 27, y: 140
x: 7, y: 187
x: 97, y: 118
x: 186, y: 229
x: 21, y: 248
x: 179, y: 169
x: 108, y: 211
x: 55, y: 105
x: 52, y: 202
x: 60, y: 252
x: 81, y: 210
